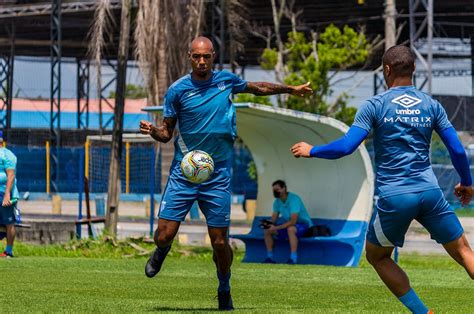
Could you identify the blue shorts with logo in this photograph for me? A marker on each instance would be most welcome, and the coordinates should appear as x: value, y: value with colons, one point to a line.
x: 395, y: 213
x: 213, y: 196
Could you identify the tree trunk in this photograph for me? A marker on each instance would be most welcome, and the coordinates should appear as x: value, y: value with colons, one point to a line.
x: 390, y: 28
x: 116, y: 151
x: 279, y: 67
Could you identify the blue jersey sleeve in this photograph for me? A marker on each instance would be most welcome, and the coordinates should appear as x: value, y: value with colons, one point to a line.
x: 343, y: 146
x: 365, y: 116
x: 171, y: 104
x: 457, y: 154
x: 441, y: 119
x: 238, y: 84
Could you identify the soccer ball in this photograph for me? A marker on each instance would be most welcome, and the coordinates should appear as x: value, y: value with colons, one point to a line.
x: 197, y: 166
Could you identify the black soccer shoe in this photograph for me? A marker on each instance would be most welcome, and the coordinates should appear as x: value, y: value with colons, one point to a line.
x: 225, y: 301
x: 269, y: 260
x: 153, y: 265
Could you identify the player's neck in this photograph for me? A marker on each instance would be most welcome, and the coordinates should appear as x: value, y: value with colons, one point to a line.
x: 401, y: 81
x: 284, y: 197
x: 197, y: 77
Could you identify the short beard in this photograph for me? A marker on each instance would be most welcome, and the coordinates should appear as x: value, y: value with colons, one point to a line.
x: 201, y: 74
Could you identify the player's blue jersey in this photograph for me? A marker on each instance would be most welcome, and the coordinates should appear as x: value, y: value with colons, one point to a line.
x: 205, y: 114
x: 403, y: 119
x: 7, y: 161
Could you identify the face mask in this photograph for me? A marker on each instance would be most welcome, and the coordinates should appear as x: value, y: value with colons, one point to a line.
x: 276, y: 194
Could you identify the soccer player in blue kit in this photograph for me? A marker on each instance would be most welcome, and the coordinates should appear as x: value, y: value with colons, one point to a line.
x: 403, y: 119
x: 201, y: 106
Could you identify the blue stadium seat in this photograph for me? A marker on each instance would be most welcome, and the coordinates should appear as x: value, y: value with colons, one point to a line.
x: 342, y: 248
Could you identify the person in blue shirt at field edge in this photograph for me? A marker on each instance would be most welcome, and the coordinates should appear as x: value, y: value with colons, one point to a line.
x: 403, y: 119
x: 9, y: 196
x: 290, y: 221
x: 200, y: 103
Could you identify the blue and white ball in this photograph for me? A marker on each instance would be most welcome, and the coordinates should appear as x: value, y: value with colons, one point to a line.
x: 197, y: 166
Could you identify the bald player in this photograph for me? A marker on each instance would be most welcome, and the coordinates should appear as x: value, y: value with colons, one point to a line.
x: 200, y: 104
x: 403, y: 119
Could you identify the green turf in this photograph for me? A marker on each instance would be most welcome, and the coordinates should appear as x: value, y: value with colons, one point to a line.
x: 465, y: 212
x: 187, y: 284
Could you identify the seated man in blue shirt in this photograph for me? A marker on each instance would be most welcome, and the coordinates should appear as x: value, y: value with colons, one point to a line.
x: 290, y: 220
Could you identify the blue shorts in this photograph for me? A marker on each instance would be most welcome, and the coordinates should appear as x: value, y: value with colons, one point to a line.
x: 213, y: 196
x: 282, y: 234
x: 395, y: 213
x: 7, y: 215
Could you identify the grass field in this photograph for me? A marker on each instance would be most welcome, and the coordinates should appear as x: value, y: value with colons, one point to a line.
x: 187, y: 284
x: 465, y: 212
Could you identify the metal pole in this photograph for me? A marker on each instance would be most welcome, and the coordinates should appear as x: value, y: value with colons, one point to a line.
x: 411, y: 10
x: 86, y: 158
x: 55, y: 89
x: 472, y: 65
x: 430, y: 45
x: 83, y: 88
x: 375, y: 84
x: 48, y: 165
x: 152, y: 189
x: 222, y: 35
x: 81, y: 190
x: 78, y: 92
x: 10, y: 84
x: 127, y: 167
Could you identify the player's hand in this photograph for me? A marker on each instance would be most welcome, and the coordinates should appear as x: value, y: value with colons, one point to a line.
x: 301, y: 149
x: 6, y: 200
x: 145, y: 127
x: 463, y: 193
x: 302, y: 90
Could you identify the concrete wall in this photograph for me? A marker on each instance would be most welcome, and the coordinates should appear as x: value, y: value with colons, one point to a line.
x: 47, y: 232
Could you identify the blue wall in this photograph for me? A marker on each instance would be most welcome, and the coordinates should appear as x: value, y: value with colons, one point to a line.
x: 31, y: 170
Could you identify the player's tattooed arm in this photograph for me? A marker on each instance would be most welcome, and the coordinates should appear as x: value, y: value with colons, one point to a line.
x: 162, y: 133
x: 265, y: 88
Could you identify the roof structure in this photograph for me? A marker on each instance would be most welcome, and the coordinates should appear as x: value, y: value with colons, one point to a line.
x: 30, y: 22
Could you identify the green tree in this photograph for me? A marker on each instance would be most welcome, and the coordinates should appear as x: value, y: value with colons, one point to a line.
x: 264, y: 100
x: 132, y: 92
x: 317, y: 59
x: 252, y: 170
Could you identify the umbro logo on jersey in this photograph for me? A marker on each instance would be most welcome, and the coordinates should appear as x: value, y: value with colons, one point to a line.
x: 406, y: 101
x: 221, y: 86
x: 407, y: 116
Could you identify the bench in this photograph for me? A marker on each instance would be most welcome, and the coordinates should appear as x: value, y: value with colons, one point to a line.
x: 342, y: 248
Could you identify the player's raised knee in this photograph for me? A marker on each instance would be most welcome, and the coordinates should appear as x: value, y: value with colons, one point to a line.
x: 292, y: 229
